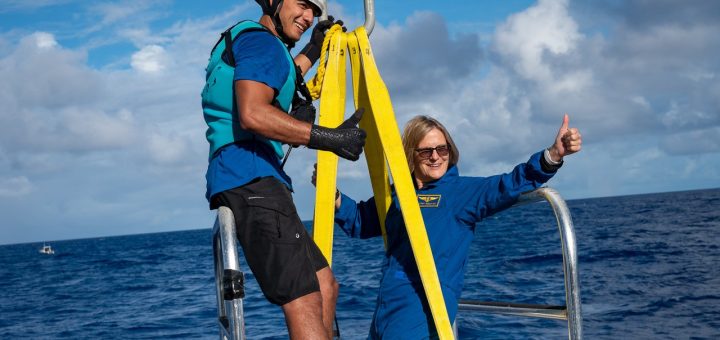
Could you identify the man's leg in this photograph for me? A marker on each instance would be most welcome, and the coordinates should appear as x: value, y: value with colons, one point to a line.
x: 282, y: 256
x: 329, y: 289
x: 304, y: 318
x: 305, y: 314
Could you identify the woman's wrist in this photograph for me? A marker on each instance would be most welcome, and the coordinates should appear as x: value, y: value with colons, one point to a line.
x: 548, y: 158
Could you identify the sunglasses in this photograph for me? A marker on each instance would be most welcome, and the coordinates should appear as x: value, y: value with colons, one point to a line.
x: 426, y: 153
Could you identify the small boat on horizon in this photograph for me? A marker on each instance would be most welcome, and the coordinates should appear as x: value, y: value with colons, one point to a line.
x: 46, y: 249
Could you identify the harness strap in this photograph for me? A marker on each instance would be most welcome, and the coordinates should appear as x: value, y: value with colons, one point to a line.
x: 301, y: 89
x: 227, y: 36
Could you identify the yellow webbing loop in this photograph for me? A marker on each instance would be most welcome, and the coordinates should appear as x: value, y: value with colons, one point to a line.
x: 383, y: 151
x: 332, y: 107
x: 374, y: 154
x: 315, y: 84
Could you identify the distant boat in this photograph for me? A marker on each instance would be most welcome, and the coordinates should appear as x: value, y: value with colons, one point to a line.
x: 46, y: 249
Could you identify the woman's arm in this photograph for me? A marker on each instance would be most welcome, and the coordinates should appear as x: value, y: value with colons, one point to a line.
x: 499, y: 192
x: 358, y: 220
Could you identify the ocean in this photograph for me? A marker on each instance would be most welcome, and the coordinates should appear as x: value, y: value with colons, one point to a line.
x: 649, y: 268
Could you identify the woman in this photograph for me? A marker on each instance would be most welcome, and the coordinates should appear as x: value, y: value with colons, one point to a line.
x: 451, y: 206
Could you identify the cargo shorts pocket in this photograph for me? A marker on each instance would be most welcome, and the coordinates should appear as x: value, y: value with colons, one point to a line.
x: 274, y: 220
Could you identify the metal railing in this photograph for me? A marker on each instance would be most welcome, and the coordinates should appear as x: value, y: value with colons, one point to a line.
x: 369, y: 15
x: 229, y: 279
x: 571, y: 311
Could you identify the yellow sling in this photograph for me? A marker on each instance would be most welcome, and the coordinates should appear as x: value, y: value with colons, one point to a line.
x: 383, y: 152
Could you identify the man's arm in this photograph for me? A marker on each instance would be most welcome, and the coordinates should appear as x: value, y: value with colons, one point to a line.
x: 258, y: 115
x: 303, y: 62
x: 311, y: 52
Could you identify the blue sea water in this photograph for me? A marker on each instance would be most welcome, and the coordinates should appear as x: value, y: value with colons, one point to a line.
x: 649, y: 269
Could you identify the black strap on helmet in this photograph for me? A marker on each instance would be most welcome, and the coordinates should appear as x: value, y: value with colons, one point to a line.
x: 267, y: 8
x: 273, y: 11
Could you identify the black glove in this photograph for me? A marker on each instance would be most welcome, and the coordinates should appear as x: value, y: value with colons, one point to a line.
x: 346, y: 140
x: 312, y: 49
x: 304, y: 112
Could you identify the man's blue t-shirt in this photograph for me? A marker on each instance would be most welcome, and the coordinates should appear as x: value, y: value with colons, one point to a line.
x: 258, y: 57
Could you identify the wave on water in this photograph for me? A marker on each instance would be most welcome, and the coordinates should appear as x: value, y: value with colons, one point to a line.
x: 647, y: 263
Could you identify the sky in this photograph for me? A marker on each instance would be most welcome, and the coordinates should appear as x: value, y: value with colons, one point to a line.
x: 101, y: 129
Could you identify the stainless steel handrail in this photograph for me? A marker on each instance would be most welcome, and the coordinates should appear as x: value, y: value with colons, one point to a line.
x: 572, y: 311
x: 369, y: 15
x: 231, y: 317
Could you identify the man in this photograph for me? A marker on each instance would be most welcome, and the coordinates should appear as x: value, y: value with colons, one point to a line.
x: 246, y: 109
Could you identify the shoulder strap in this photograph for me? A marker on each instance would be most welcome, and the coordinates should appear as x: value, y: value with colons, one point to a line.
x: 302, y: 94
x: 229, y: 36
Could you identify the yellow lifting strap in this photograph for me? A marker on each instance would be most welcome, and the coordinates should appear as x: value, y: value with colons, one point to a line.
x: 383, y: 151
x: 332, y: 107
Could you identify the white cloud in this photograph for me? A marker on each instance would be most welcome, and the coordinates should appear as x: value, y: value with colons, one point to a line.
x: 641, y: 101
x: 352, y: 170
x: 45, y: 40
x: 527, y: 37
x: 542, y: 64
x: 15, y: 186
x: 55, y: 108
x: 150, y: 59
x: 128, y: 131
x: 698, y: 141
x: 167, y: 149
x: 122, y: 10
x: 68, y: 82
x: 142, y: 36
x: 682, y: 117
x: 100, y: 129
x: 15, y: 5
x: 117, y: 15
x: 438, y: 60
x: 117, y: 137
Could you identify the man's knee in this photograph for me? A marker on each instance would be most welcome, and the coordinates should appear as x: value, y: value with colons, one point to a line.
x: 328, y: 284
x: 304, y: 303
x: 332, y: 286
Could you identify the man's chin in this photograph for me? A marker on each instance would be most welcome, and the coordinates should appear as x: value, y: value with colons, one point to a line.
x: 296, y: 36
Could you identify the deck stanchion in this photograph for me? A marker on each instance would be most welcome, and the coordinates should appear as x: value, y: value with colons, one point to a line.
x: 572, y: 310
x: 228, y: 277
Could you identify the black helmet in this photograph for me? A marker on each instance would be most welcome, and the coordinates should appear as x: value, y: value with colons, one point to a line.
x: 271, y: 10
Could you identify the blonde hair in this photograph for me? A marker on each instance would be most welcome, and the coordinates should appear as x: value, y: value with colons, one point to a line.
x: 416, y: 129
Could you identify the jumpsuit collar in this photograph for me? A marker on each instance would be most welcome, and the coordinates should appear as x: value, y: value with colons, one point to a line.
x: 450, y: 175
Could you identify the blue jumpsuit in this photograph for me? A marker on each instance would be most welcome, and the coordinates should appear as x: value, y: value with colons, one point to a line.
x: 451, y: 207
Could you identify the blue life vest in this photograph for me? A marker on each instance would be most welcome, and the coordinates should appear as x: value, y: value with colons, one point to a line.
x: 218, y: 96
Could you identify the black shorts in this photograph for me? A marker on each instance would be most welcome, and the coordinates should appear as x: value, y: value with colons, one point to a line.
x: 278, y: 249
